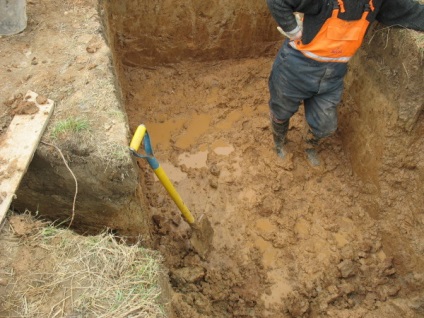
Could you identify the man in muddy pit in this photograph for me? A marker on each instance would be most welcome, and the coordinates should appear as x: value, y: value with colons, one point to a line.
x: 312, y: 62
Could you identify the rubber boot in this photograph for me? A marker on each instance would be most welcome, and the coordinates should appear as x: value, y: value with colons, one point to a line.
x: 279, y: 133
x: 312, y: 149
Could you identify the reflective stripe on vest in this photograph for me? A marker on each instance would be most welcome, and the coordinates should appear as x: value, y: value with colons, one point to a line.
x: 337, y: 40
x: 313, y: 56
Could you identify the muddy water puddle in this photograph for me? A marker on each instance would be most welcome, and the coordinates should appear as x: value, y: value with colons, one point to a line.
x: 290, y: 240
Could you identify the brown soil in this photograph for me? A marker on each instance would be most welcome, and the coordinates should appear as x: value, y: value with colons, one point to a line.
x: 19, y: 106
x: 290, y: 240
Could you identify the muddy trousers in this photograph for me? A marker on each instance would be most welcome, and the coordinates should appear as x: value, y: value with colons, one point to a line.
x: 295, y: 79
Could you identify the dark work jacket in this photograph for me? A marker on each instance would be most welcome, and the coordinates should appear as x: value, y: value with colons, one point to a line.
x: 402, y: 13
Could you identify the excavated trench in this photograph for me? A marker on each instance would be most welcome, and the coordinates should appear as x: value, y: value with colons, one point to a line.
x: 344, y: 240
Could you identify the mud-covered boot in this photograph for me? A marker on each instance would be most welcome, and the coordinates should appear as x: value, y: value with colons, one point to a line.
x: 279, y: 133
x: 312, y: 149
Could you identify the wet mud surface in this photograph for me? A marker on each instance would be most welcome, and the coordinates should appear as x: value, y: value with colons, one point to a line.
x: 290, y: 240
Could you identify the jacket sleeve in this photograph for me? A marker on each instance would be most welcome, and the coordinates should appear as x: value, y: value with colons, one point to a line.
x: 283, y: 12
x: 403, y: 13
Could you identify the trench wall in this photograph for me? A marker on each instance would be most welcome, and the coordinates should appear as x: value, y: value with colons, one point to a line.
x: 107, y: 192
x: 150, y: 32
x: 145, y: 33
x: 380, y: 116
x: 385, y: 99
x: 382, y: 126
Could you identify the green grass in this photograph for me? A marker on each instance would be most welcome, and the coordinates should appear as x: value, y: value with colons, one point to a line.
x: 69, y: 125
x: 48, y: 231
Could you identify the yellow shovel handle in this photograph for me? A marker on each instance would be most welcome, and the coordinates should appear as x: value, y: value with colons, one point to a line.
x: 136, y: 141
x: 160, y: 173
x: 138, y: 137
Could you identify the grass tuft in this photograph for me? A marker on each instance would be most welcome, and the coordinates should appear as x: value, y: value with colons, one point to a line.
x: 69, y: 125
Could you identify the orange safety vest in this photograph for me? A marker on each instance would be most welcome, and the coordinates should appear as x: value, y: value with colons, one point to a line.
x: 337, y: 40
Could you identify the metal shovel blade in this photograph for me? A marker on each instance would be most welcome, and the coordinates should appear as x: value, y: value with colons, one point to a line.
x: 202, y: 236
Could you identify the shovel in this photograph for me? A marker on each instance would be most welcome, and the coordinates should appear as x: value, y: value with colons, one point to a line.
x: 202, y: 231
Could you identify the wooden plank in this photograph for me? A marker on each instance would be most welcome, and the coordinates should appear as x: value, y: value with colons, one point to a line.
x: 17, y: 148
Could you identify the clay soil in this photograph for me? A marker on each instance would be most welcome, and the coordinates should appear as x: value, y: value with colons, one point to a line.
x: 290, y: 240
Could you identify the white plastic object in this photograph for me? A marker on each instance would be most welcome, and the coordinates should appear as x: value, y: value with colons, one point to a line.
x: 13, y: 18
x: 299, y: 20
